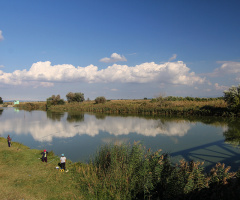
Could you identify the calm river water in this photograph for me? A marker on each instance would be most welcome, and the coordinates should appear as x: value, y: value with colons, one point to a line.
x: 79, y: 135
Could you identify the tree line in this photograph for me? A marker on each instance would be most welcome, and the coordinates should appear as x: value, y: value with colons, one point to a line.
x: 71, y: 98
x: 231, y: 97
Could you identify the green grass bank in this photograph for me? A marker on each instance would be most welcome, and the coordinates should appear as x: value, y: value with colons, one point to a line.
x: 24, y: 176
x: 115, y: 172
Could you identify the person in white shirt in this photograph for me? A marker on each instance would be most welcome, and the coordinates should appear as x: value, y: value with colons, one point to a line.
x: 63, y: 161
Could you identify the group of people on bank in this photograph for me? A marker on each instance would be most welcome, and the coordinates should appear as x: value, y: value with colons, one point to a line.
x: 44, y: 154
x: 62, y: 159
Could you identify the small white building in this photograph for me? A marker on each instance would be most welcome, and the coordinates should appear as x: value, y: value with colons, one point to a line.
x: 15, y: 102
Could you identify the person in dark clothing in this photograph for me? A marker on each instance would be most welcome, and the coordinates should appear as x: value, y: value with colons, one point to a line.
x: 44, y: 155
x: 9, y: 141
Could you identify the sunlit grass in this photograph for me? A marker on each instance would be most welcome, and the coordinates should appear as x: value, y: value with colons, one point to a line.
x: 24, y: 176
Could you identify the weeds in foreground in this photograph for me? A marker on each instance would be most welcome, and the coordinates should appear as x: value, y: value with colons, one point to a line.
x: 132, y: 172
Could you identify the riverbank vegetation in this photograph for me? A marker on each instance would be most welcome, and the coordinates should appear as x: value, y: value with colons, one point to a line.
x: 226, y: 106
x: 162, y: 106
x: 115, y: 172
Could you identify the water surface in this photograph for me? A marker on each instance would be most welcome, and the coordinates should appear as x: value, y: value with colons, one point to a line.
x: 79, y: 135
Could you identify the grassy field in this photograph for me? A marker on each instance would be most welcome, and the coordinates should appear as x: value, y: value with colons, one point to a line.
x: 24, y: 176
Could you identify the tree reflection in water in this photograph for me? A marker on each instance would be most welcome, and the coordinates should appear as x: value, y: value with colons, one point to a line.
x: 75, y: 117
x: 55, y: 116
x: 100, y: 116
x: 232, y: 135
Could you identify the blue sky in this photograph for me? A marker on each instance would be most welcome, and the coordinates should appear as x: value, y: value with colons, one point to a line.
x: 119, y: 49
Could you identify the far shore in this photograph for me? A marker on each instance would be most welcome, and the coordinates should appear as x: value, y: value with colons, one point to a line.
x: 183, y: 107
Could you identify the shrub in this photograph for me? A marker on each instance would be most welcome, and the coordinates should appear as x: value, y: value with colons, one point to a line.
x: 153, y: 100
x: 232, y: 97
x: 75, y: 97
x: 55, y: 100
x: 100, y: 100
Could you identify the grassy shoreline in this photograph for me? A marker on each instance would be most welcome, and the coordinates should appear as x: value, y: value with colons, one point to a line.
x: 116, y: 172
x: 24, y: 176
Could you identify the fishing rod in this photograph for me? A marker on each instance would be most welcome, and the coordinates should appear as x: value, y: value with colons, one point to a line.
x: 53, y: 160
x: 40, y: 138
x: 51, y: 134
x: 48, y: 135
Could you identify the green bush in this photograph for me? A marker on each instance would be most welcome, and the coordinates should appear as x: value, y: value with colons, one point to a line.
x: 100, y: 100
x: 75, y: 97
x: 55, y: 100
x: 232, y: 97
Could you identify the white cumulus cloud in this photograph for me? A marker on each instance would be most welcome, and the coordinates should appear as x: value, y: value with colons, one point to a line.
x: 227, y: 67
x: 1, y: 36
x: 220, y: 87
x: 45, y: 74
x: 114, y: 58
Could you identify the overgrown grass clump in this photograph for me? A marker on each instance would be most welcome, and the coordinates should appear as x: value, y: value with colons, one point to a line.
x: 32, y: 106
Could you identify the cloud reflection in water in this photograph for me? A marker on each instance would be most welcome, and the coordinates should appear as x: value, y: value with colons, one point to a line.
x: 42, y: 128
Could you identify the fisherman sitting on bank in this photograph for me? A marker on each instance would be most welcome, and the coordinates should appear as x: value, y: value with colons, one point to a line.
x: 44, y: 155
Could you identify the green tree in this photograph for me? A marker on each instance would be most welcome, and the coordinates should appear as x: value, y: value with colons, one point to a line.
x: 100, y: 100
x: 70, y: 97
x: 55, y: 100
x: 1, y: 101
x: 75, y: 97
x: 79, y: 97
x: 232, y: 97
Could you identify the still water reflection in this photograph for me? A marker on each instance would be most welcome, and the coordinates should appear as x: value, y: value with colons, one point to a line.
x: 79, y: 135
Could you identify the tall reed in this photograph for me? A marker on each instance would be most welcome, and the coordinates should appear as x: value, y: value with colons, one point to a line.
x: 132, y: 172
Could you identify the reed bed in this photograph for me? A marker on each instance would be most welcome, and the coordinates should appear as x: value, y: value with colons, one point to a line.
x: 213, y: 107
x: 132, y: 172
x: 31, y: 106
